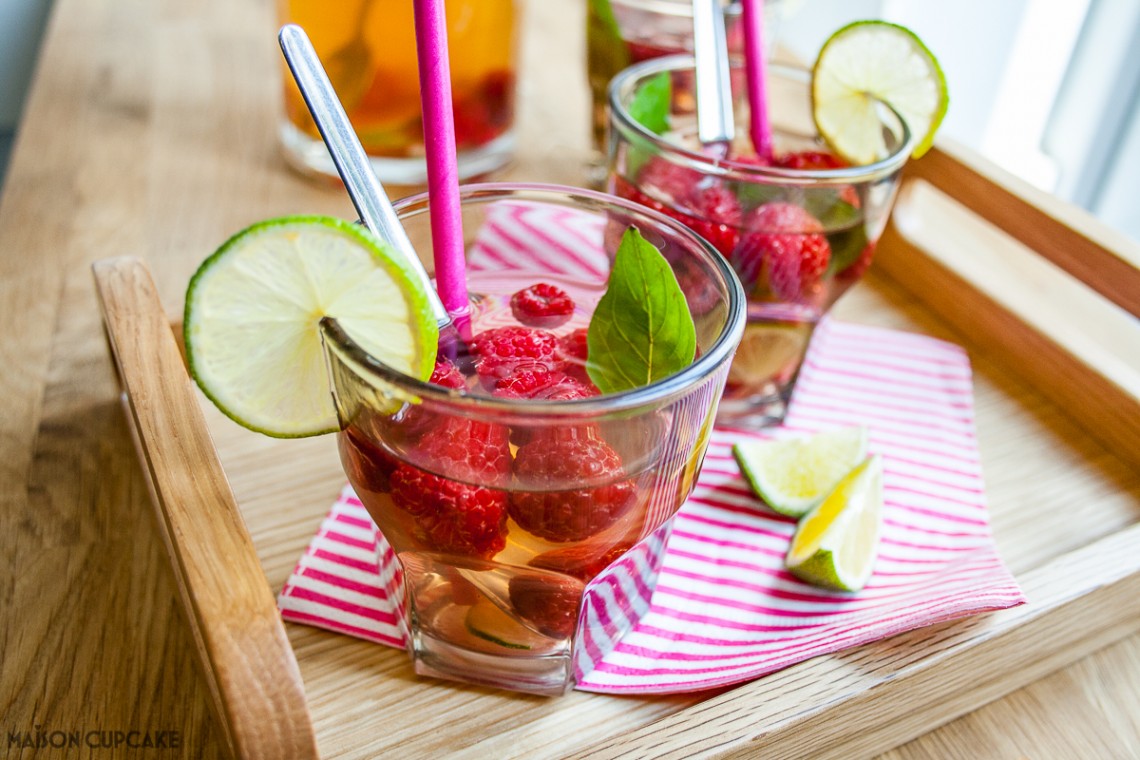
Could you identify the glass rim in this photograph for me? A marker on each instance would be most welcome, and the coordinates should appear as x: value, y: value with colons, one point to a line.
x: 681, y: 8
x: 707, y: 164
x: 660, y: 391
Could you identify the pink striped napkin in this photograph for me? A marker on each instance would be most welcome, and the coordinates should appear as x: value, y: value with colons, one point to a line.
x: 724, y: 609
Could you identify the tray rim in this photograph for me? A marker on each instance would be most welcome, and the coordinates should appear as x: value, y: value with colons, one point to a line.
x: 133, y: 316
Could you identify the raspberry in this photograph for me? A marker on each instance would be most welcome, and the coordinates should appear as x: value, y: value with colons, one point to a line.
x: 543, y: 384
x: 583, y: 561
x: 456, y: 516
x: 699, y: 288
x: 503, y: 351
x: 784, y: 244
x: 542, y: 305
x: 751, y: 159
x: 809, y: 160
x: 715, y: 217
x: 485, y: 113
x: 861, y: 264
x: 551, y: 461
x: 572, y: 352
x: 447, y: 375
x: 549, y: 603
x: 817, y: 160
x: 369, y: 467
x: 664, y: 179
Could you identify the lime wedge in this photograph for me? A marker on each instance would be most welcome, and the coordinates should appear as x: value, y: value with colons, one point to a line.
x: 870, y: 61
x: 835, y: 545
x: 793, y: 476
x: 254, y: 306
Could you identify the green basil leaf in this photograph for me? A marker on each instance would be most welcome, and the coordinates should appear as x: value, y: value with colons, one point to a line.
x: 649, y: 106
x: 641, y: 330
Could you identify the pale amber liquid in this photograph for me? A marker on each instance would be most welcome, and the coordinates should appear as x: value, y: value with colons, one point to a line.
x: 368, y: 48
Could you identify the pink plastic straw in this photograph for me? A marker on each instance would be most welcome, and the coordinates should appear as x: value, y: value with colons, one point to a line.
x: 760, y: 128
x: 442, y: 171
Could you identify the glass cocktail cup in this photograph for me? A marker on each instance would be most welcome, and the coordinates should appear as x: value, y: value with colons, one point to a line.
x: 515, y: 521
x: 368, y: 48
x: 798, y: 238
x: 644, y: 29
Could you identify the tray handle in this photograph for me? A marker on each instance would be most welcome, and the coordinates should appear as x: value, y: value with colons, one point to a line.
x: 1105, y: 259
x: 1029, y: 278
x: 245, y: 654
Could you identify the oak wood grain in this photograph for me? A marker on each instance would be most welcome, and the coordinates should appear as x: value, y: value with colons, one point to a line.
x: 149, y: 130
x: 247, y: 662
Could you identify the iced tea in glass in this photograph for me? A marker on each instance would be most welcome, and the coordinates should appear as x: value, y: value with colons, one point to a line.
x: 368, y: 48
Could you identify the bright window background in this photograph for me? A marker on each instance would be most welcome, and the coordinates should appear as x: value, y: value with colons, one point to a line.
x: 1048, y: 89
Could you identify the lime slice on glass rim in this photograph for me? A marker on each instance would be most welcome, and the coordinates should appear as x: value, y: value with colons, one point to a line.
x: 863, y: 64
x: 835, y: 544
x: 794, y: 475
x: 254, y: 307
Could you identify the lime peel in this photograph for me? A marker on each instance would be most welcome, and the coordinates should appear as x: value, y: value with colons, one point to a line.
x: 253, y: 309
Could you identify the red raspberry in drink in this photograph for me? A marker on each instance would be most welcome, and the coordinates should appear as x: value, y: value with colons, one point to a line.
x: 784, y: 250
x: 369, y: 466
x: 583, y: 561
x: 573, y: 351
x: 860, y: 265
x: 809, y: 160
x: 447, y: 375
x: 546, y: 602
x: 485, y: 113
x: 715, y: 216
x: 667, y: 181
x: 454, y: 514
x: 547, y: 462
x: 542, y: 305
x: 818, y: 160
x: 504, y: 351
x: 544, y: 385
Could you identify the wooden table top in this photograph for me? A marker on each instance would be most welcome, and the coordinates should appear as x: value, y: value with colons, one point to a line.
x: 150, y: 131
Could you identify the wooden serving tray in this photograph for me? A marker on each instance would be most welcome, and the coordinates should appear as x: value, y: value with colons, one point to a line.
x: 1044, y: 298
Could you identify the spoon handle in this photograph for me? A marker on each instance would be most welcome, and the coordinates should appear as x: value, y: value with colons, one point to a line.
x: 715, y: 124
x: 348, y: 154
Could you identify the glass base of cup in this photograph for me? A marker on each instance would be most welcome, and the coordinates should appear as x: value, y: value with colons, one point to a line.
x: 550, y: 675
x: 755, y: 410
x: 312, y: 157
x: 547, y: 676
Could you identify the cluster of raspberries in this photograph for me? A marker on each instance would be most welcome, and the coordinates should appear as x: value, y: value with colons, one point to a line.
x: 778, y: 248
x: 466, y: 512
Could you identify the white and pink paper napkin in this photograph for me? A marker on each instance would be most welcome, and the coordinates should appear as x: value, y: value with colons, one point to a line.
x: 724, y: 609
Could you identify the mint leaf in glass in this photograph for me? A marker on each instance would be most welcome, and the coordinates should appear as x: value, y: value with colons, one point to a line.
x: 641, y: 330
x: 649, y: 106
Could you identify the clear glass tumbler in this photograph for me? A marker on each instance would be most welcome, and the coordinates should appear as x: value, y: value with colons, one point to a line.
x: 529, y: 525
x: 368, y: 48
x: 799, y: 231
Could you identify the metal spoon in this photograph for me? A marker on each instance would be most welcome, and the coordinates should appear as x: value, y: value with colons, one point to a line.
x: 715, y: 123
x: 351, y: 161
